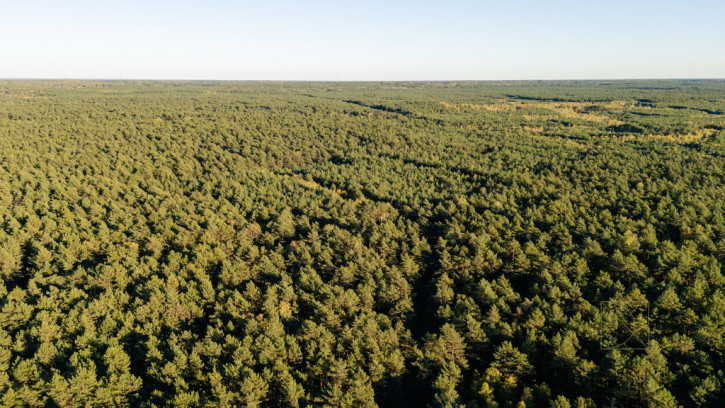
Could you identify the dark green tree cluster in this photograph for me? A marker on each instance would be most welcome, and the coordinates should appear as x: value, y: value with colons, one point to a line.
x: 403, y: 244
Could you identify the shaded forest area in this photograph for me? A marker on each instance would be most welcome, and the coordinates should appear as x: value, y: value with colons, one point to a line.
x: 493, y: 244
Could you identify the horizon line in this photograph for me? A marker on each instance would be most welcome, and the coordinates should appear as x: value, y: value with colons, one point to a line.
x: 360, y: 80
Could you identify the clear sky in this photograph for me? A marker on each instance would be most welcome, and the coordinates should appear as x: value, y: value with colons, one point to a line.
x: 362, y: 40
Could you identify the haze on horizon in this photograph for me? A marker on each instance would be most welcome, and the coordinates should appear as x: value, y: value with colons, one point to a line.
x: 375, y: 40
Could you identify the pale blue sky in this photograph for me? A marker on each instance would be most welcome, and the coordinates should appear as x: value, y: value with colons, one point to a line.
x: 362, y: 40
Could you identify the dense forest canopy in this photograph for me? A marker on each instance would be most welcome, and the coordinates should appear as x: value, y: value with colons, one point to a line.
x: 502, y: 244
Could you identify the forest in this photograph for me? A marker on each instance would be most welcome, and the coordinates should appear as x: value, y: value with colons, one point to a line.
x: 423, y: 244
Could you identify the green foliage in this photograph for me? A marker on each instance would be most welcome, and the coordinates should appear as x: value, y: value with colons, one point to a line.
x: 399, y: 244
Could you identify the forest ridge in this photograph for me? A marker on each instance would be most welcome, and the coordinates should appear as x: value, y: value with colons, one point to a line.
x: 444, y: 244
